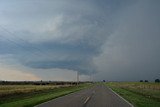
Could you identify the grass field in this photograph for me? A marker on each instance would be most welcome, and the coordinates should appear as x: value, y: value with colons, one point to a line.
x: 139, y: 94
x: 6, y: 90
x: 30, y: 95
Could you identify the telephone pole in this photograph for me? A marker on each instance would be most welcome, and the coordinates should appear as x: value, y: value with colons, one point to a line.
x: 77, y: 77
x: 91, y: 77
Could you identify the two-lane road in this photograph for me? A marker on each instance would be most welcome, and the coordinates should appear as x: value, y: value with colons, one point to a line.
x: 97, y: 96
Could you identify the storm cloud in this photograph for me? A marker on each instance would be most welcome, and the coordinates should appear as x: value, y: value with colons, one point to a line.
x: 132, y: 50
x: 112, y: 39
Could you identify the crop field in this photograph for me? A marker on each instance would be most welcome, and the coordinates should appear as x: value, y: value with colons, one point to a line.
x: 139, y: 94
x: 30, y: 95
x: 6, y: 90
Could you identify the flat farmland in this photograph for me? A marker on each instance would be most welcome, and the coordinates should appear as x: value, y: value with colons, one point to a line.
x: 6, y: 90
x: 30, y: 95
x: 140, y: 94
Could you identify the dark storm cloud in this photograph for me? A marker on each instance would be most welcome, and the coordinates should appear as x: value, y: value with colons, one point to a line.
x: 115, y: 39
x: 70, y: 34
x: 132, y: 50
x: 82, y: 66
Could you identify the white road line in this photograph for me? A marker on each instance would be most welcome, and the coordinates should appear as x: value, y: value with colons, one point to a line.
x: 121, y: 97
x: 87, y: 99
x: 56, y: 98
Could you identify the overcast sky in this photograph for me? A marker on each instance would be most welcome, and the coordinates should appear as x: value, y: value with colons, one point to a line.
x: 115, y: 40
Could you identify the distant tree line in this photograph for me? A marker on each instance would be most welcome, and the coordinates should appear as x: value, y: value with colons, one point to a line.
x: 156, y: 81
x: 38, y: 83
x: 144, y: 81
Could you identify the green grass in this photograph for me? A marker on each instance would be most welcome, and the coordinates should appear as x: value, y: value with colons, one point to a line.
x: 139, y: 94
x: 36, y: 98
x: 14, y: 90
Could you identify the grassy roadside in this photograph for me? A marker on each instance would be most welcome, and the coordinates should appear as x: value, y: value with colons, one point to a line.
x: 139, y: 94
x: 37, y: 98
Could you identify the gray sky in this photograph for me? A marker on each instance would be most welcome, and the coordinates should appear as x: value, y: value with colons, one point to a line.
x: 53, y: 39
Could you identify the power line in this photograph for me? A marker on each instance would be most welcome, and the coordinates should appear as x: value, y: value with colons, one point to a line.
x: 18, y: 45
x: 24, y: 41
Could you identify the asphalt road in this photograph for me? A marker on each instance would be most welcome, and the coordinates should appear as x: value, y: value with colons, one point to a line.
x: 97, y: 96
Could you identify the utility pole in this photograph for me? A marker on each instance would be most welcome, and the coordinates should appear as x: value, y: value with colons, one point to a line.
x: 91, y: 77
x: 77, y: 77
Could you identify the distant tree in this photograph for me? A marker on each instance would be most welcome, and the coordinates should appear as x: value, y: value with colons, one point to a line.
x: 104, y: 80
x: 157, y: 80
x: 145, y: 80
x: 141, y: 80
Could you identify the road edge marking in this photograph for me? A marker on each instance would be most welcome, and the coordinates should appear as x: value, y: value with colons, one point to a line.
x: 121, y: 97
